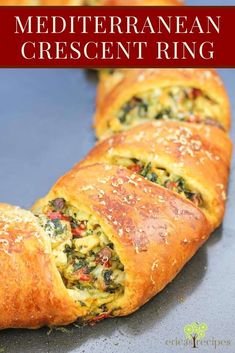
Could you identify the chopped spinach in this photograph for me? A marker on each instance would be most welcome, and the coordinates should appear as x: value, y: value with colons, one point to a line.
x: 110, y: 245
x: 59, y: 228
x: 74, y: 224
x: 146, y: 169
x: 56, y: 226
x: 90, y: 269
x: 79, y: 264
x: 68, y: 249
x: 181, y: 183
x: 82, y: 303
x: 107, y: 276
x: 103, y: 307
x: 110, y: 290
x: 89, y: 232
x: 135, y: 102
x: 164, y: 113
x: 134, y: 160
x: 152, y: 177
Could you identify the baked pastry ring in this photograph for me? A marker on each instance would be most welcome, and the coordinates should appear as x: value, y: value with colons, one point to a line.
x: 91, y: 2
x: 195, y: 95
x: 32, y: 293
x: 191, y: 159
x: 20, y: 2
x: 142, y: 223
x: 134, y: 2
x: 108, y: 79
x: 61, y: 2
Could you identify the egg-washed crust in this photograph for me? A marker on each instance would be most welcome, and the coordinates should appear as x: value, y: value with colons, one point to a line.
x: 20, y: 2
x: 107, y: 80
x: 200, y: 154
x: 143, y: 80
x: 147, y: 224
x: 83, y: 2
x: 32, y: 293
x: 61, y: 2
x: 141, y: 3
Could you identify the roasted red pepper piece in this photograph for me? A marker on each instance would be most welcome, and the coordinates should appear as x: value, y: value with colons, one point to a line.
x: 135, y: 168
x: 99, y: 317
x: 196, y: 92
x: 77, y: 232
x: 57, y: 215
x: 83, y: 276
x: 171, y: 185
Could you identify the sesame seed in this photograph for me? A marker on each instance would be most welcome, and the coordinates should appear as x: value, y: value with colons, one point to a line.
x: 120, y: 232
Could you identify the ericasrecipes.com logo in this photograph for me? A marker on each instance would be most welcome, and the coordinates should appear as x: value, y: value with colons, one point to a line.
x: 195, y: 331
x: 195, y: 337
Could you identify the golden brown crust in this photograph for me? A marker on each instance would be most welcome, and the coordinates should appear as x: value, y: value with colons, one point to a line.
x: 142, y: 3
x: 142, y: 80
x: 82, y: 2
x: 32, y: 293
x: 61, y: 2
x: 19, y: 2
x: 200, y: 154
x: 106, y: 83
x: 155, y: 232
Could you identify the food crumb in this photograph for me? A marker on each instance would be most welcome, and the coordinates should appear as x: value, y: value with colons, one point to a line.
x: 181, y: 299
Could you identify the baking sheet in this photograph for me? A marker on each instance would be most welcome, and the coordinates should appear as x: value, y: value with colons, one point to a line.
x: 45, y: 125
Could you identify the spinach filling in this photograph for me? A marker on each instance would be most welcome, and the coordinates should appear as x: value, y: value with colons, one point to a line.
x: 86, y: 259
x: 162, y: 177
x: 170, y: 103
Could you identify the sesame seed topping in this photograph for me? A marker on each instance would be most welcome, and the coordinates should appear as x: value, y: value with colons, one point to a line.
x: 120, y: 232
x: 223, y: 194
x: 88, y: 187
x: 155, y: 265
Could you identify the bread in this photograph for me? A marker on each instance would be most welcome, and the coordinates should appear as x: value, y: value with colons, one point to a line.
x: 19, y: 2
x: 108, y: 79
x: 134, y: 2
x: 32, y: 293
x: 195, y: 95
x: 191, y: 157
x: 117, y: 228
x: 61, y: 2
x: 143, y: 223
x: 92, y: 2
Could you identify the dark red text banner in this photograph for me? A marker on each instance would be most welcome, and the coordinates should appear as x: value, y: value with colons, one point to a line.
x: 117, y: 37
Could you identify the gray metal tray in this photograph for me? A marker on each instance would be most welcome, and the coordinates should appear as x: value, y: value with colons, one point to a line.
x: 45, y: 124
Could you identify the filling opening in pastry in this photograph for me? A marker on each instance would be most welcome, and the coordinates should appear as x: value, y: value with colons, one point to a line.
x: 177, y: 103
x: 87, y: 261
x: 161, y: 177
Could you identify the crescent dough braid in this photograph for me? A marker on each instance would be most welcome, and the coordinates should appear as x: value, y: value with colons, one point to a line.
x: 190, y: 159
x: 20, y: 2
x: 32, y: 293
x: 133, y: 2
x: 80, y: 256
x: 108, y: 79
x: 194, y: 95
x: 61, y: 2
